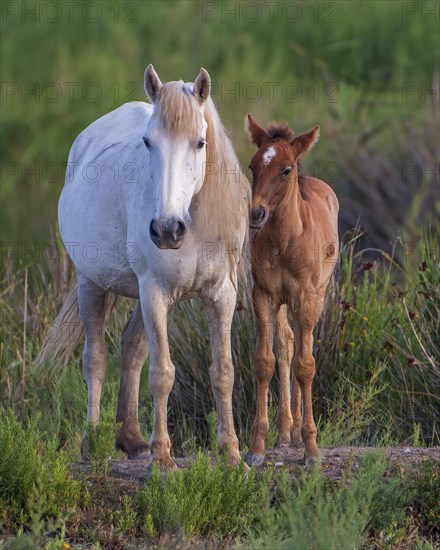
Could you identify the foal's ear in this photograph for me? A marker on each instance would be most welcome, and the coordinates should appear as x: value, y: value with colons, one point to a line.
x: 152, y: 83
x: 304, y: 142
x: 256, y: 133
x: 202, y: 85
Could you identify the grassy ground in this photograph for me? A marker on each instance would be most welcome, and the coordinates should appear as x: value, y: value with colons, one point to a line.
x: 372, y: 503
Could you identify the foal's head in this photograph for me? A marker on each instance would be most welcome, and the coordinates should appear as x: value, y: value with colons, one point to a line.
x: 274, y: 166
x: 176, y: 141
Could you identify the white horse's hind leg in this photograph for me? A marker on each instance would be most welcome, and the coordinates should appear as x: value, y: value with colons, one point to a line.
x: 219, y: 312
x: 134, y: 353
x: 161, y: 373
x: 91, y: 301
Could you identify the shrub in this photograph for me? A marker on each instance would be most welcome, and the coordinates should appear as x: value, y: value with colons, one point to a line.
x: 315, y: 512
x: 202, y: 500
x: 34, y: 476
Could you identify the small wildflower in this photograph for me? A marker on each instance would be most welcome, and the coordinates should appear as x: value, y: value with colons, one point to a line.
x: 412, y: 314
x: 346, y: 305
x: 367, y: 266
x: 411, y: 361
x: 352, y: 344
x: 363, y: 332
x: 365, y: 318
x: 423, y: 266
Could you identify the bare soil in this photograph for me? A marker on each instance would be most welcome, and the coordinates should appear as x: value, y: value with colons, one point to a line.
x: 334, y: 461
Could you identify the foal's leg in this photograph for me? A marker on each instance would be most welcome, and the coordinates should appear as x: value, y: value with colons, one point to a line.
x: 91, y: 301
x: 219, y: 311
x: 265, y: 311
x: 283, y: 348
x: 309, y: 311
x: 161, y: 374
x: 134, y: 353
x: 296, y: 413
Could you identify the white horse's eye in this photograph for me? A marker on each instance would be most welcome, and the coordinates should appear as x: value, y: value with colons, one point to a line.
x: 201, y: 143
x: 147, y: 143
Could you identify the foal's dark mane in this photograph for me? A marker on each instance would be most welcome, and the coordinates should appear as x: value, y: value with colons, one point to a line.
x: 280, y: 130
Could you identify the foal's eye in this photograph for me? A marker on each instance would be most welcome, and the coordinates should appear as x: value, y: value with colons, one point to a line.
x: 286, y: 171
x: 147, y: 143
x: 250, y: 167
x: 200, y: 144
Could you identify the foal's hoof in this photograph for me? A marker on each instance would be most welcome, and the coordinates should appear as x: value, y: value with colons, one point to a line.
x: 310, y: 461
x: 132, y: 444
x: 253, y: 459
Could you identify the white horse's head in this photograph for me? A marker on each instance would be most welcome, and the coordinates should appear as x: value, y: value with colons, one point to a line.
x: 176, y: 141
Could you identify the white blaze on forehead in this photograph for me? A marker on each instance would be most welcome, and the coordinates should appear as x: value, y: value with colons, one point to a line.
x: 268, y: 155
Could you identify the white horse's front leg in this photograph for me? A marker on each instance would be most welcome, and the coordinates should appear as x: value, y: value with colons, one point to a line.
x: 161, y: 374
x: 219, y: 311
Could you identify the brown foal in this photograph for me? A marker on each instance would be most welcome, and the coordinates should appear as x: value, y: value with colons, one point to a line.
x: 294, y: 253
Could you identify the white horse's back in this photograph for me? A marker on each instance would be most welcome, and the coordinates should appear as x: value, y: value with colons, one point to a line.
x: 115, y: 129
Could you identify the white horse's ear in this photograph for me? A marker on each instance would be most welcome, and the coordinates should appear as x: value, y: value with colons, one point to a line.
x: 202, y: 86
x: 152, y: 83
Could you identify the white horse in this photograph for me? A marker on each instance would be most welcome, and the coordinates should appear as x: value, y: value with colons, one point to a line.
x: 155, y: 207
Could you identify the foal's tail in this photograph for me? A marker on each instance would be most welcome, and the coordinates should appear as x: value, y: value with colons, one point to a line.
x: 67, y: 330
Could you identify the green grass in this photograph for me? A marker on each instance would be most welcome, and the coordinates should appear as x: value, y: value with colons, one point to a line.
x: 370, y: 503
x: 204, y: 501
x: 34, y: 476
x: 317, y: 513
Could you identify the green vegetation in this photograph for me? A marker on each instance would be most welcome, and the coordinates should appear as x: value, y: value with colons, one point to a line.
x: 203, y: 500
x: 369, y: 503
x: 361, y: 70
x: 34, y: 476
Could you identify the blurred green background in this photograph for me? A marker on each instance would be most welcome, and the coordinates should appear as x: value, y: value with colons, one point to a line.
x: 363, y: 70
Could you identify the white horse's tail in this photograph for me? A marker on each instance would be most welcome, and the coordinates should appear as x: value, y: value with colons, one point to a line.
x: 67, y: 330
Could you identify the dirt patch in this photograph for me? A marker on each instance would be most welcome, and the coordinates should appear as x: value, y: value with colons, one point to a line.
x: 334, y: 461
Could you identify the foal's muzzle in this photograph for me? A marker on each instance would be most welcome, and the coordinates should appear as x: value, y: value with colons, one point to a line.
x: 168, y: 233
x: 258, y: 217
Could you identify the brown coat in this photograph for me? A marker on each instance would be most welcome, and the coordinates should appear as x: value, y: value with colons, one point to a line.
x: 294, y: 252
